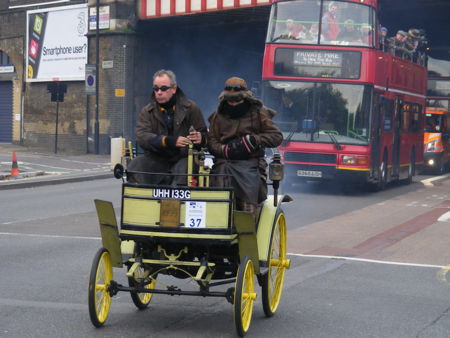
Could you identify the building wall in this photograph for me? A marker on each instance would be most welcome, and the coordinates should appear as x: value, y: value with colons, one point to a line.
x: 77, y: 114
x: 115, y: 113
x: 12, y: 43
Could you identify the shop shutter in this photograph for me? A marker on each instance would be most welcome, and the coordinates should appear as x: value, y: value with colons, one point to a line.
x: 6, y: 111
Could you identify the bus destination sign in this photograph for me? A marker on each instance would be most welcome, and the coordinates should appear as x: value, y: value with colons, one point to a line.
x: 339, y: 64
x: 318, y: 58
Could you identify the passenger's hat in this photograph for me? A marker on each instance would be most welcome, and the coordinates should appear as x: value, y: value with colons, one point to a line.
x: 383, y: 29
x: 414, y: 33
x: 235, y: 89
x: 402, y: 33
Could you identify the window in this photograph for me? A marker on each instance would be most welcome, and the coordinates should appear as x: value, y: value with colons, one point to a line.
x: 414, y: 122
x: 342, y: 110
x: 339, y: 23
x: 406, y: 111
x: 388, y: 107
x: 4, y: 59
x: 438, y: 88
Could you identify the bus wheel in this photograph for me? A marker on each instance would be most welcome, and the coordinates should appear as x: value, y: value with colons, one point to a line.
x: 411, y: 168
x: 381, y: 176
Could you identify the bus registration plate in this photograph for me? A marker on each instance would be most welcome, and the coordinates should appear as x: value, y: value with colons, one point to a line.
x: 309, y: 173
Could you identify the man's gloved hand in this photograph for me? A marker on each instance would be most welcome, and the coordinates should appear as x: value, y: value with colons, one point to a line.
x: 240, y: 148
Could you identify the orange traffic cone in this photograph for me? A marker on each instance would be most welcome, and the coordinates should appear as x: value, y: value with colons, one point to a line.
x: 15, y: 167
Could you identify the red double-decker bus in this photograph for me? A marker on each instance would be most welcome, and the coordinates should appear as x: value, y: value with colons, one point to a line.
x: 350, y: 108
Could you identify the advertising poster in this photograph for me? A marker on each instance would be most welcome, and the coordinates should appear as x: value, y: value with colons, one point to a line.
x: 56, y: 44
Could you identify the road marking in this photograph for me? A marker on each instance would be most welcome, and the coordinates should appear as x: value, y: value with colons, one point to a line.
x: 444, y: 217
x: 104, y: 164
x: 370, y: 261
x: 429, y: 181
x: 47, y: 236
x: 442, y: 274
x: 443, y: 271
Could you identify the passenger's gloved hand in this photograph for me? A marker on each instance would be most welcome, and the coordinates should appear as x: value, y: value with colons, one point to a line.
x: 240, y: 148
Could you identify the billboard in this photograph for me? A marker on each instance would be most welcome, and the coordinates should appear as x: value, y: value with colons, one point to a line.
x: 57, y: 46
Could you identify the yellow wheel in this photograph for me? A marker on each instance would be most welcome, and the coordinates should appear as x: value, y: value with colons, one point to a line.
x: 141, y: 300
x: 99, y: 281
x: 273, y: 280
x: 244, y: 296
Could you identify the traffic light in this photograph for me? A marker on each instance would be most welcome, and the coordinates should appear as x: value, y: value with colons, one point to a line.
x: 57, y: 91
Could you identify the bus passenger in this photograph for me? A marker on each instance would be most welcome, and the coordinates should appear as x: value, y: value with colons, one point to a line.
x: 239, y: 130
x: 383, y: 39
x: 313, y: 33
x: 397, y: 43
x: 164, y: 129
x: 294, y: 31
x: 412, y: 42
x: 366, y: 35
x: 348, y: 33
x: 330, y: 28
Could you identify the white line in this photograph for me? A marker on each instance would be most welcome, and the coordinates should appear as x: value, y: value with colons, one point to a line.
x: 444, y: 217
x: 47, y: 236
x: 369, y: 260
x: 96, y: 163
x: 48, y: 166
x: 429, y: 181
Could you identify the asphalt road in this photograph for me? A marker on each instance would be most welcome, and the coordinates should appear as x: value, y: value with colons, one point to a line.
x: 49, y: 235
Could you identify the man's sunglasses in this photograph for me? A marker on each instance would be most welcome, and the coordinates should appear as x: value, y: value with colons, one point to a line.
x: 162, y: 88
x: 234, y: 88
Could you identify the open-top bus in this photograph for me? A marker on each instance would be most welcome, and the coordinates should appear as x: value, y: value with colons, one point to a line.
x: 349, y: 111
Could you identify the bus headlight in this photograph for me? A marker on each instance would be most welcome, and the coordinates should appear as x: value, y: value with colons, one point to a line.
x: 355, y: 160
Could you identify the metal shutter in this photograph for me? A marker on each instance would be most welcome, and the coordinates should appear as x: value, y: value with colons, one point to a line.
x: 6, y: 111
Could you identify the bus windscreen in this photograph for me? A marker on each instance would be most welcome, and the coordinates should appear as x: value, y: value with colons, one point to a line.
x: 311, y: 111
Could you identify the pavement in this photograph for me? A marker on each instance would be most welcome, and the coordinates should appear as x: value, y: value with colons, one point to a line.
x: 39, y: 167
x: 411, y: 228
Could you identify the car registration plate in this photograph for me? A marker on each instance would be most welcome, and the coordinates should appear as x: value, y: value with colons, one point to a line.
x: 172, y: 193
x: 309, y: 173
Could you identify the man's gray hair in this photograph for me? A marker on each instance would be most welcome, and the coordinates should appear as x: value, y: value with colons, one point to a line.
x: 169, y: 73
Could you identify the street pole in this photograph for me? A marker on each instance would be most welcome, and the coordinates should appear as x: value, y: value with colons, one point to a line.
x: 124, y: 129
x: 56, y: 126
x: 97, y: 71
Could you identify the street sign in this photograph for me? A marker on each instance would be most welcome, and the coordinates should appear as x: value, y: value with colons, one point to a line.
x: 57, y: 91
x: 108, y: 64
x: 119, y: 92
x: 90, y: 79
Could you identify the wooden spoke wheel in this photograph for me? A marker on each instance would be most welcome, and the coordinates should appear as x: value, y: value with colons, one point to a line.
x: 244, y: 296
x: 272, y: 285
x: 141, y: 300
x: 99, y: 281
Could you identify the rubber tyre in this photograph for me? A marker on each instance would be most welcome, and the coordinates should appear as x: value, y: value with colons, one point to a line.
x: 382, y: 177
x: 411, y: 169
x: 272, y: 283
x: 100, y: 278
x: 141, y: 300
x: 244, y: 296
